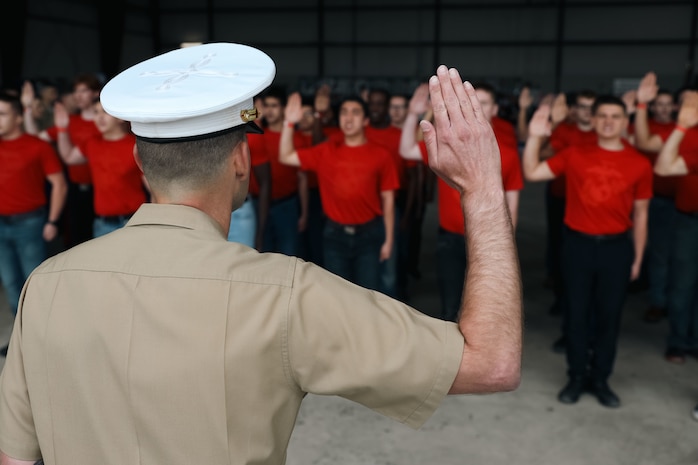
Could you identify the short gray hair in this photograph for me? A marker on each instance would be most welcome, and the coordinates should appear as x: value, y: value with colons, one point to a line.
x: 190, y: 163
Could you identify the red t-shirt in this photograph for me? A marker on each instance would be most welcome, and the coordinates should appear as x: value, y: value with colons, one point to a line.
x: 664, y: 186
x: 567, y: 135
x: 284, y: 178
x: 504, y: 132
x: 80, y: 130
x: 602, y: 186
x: 258, y: 156
x: 389, y: 138
x: 351, y: 179
x: 24, y: 164
x: 450, y: 211
x: 118, y: 188
x: 686, y: 199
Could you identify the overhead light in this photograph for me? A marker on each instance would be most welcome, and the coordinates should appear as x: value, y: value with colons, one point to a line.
x: 189, y: 44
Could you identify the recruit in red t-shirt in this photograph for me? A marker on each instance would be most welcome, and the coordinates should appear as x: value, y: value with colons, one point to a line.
x: 351, y: 179
x: 24, y: 164
x: 118, y: 188
x: 602, y: 186
x: 80, y: 130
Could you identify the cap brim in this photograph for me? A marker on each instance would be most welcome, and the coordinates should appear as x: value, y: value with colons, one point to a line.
x: 253, y: 128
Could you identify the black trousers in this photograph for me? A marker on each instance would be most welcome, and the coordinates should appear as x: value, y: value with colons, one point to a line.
x: 596, y: 272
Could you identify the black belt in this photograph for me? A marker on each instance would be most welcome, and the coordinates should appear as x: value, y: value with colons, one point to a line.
x: 599, y: 237
x: 116, y: 219
x: 352, y: 229
x: 691, y: 214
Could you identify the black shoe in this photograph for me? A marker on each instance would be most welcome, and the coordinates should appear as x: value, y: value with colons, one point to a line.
x: 560, y: 345
x: 3, y: 351
x: 572, y: 391
x: 605, y: 396
x: 675, y: 355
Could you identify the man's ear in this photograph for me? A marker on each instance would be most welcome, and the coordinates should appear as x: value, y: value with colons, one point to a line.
x: 240, y: 158
x: 137, y: 158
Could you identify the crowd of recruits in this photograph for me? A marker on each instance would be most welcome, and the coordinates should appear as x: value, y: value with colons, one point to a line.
x: 360, y: 219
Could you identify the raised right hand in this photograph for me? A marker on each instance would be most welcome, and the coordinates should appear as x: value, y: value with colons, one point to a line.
x: 293, y: 112
x: 60, y: 115
x: 647, y: 90
x: 420, y: 100
x: 461, y: 144
x: 688, y: 114
x: 540, y: 122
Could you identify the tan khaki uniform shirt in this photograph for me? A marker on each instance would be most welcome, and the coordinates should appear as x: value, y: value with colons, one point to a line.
x: 162, y: 343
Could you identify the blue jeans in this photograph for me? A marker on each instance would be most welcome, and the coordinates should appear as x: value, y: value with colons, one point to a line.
x: 281, y: 230
x: 22, y: 248
x: 661, y: 224
x: 683, y: 285
x: 101, y: 227
x: 353, y: 252
x: 243, y: 224
x: 450, y: 272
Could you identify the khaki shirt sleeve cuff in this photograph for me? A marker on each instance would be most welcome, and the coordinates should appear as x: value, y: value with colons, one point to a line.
x: 443, y: 380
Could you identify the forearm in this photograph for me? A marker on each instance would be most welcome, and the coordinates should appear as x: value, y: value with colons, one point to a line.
x: 7, y: 460
x: 287, y: 151
x: 59, y: 192
x: 408, y: 140
x: 643, y: 138
x: 522, y: 125
x: 639, y: 236
x: 491, y: 309
x: 64, y: 145
x: 513, y: 205
x: 531, y: 156
x: 303, y: 194
x: 30, y: 126
x: 389, y: 216
x: 669, y: 163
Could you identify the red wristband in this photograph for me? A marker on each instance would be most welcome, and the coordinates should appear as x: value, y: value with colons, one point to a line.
x: 641, y: 106
x: 60, y: 129
x: 290, y: 124
x: 681, y: 128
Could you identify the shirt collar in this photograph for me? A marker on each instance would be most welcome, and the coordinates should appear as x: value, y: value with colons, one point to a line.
x: 179, y: 216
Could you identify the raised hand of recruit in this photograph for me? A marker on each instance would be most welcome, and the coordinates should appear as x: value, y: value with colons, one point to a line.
x: 322, y: 98
x: 540, y: 125
x: 525, y: 98
x: 648, y: 88
x: 419, y: 103
x: 629, y: 98
x: 61, y: 119
x: 27, y: 96
x: 688, y: 114
x: 293, y: 112
x: 559, y: 110
x: 461, y: 144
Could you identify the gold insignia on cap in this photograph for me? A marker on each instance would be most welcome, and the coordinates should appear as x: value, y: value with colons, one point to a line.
x: 248, y: 115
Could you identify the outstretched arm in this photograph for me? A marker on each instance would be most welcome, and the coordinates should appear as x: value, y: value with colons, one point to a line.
x: 409, y: 149
x: 646, y: 92
x: 669, y: 162
x: 463, y: 151
x: 292, y: 115
x: 534, y: 169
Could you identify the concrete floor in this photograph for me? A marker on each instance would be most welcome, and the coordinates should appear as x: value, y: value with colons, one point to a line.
x: 653, y: 426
